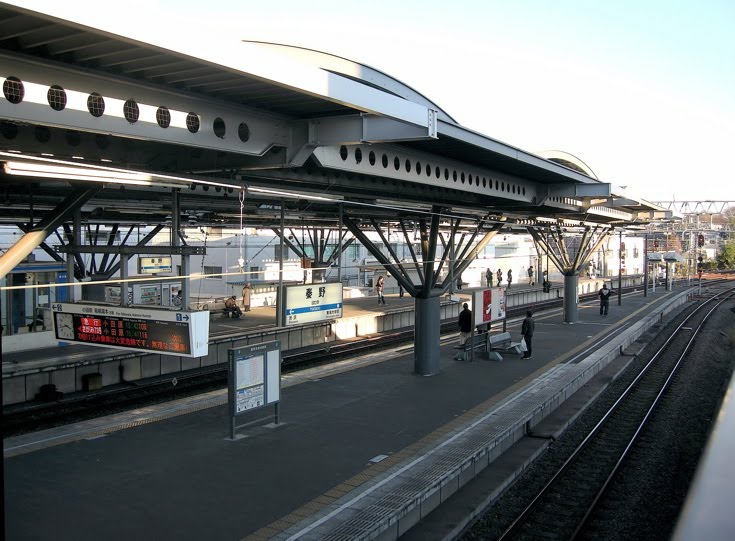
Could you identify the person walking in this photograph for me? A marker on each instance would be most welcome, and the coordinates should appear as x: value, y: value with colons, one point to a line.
x: 499, y: 275
x: 510, y: 277
x: 246, y: 294
x: 530, y: 275
x: 489, y: 277
x: 465, y: 324
x: 604, y: 295
x: 379, y: 287
x: 527, y: 329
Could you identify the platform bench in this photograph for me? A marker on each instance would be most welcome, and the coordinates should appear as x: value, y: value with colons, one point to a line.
x: 477, y: 341
x: 503, y: 342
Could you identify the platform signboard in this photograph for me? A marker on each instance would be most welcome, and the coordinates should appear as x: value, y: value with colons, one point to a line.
x: 312, y: 302
x: 139, y: 329
x: 489, y: 305
x: 254, y: 378
x: 154, y: 265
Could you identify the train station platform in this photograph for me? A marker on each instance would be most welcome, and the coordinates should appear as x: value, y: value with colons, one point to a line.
x: 365, y: 448
x: 70, y: 367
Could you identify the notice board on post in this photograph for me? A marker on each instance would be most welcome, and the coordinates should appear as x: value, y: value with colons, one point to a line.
x: 254, y: 376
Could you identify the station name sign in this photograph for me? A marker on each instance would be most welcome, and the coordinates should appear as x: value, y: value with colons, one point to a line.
x: 167, y: 332
x: 312, y: 302
x: 154, y: 265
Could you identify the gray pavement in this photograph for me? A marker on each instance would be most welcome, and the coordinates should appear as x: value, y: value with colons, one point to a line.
x: 181, y: 477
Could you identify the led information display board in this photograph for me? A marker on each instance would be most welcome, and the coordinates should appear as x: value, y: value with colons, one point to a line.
x: 254, y: 378
x: 312, y: 302
x: 140, y: 329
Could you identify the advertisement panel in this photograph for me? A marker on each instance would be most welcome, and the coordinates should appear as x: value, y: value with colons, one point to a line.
x: 489, y: 305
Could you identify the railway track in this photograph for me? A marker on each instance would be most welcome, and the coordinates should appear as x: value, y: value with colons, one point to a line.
x: 563, y: 507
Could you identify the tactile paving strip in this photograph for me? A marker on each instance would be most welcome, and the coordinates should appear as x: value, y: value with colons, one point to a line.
x: 363, y: 514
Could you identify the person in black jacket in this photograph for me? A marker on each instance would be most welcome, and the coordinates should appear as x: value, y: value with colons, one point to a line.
x: 465, y: 324
x: 527, y: 333
x: 604, y: 295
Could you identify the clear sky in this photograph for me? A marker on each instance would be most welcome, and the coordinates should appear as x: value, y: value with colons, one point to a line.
x: 643, y: 91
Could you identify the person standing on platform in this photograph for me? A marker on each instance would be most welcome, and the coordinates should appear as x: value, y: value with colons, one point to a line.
x: 530, y: 275
x: 379, y: 287
x: 604, y: 299
x: 465, y: 324
x: 510, y: 277
x: 459, y: 282
x: 527, y: 329
x: 499, y: 274
x: 489, y: 277
x: 246, y: 293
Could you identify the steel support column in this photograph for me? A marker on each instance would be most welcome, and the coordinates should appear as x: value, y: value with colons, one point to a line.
x: 571, y: 299
x: 426, y: 342
x: 556, y: 248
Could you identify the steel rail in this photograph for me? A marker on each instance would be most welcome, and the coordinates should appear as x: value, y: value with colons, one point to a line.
x: 523, y: 516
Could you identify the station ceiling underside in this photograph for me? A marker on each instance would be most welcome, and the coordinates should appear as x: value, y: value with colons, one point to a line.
x: 377, y: 147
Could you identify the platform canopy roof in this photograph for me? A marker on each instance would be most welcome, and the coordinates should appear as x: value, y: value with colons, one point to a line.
x: 241, y: 132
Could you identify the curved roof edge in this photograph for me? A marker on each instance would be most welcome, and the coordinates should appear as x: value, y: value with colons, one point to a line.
x: 354, y: 70
x: 568, y: 160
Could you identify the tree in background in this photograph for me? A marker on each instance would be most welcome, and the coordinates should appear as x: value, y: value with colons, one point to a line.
x: 726, y: 257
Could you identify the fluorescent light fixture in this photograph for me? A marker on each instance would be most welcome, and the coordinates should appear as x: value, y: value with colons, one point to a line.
x: 34, y: 166
x: 43, y: 170
x: 292, y: 195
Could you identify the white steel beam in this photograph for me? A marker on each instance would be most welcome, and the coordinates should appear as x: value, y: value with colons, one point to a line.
x: 221, y: 126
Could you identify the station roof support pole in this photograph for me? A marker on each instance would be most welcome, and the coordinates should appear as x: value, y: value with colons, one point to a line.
x: 38, y: 233
x: 404, y: 281
x: 428, y: 246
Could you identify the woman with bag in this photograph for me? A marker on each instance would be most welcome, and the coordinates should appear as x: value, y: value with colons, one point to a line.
x: 527, y: 333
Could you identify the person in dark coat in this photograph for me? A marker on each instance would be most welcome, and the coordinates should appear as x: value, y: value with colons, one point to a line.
x: 527, y: 329
x: 465, y: 324
x: 604, y: 295
x: 489, y: 277
x: 510, y: 277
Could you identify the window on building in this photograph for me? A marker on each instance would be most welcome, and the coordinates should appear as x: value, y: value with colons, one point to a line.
x: 213, y: 273
x: 277, y: 255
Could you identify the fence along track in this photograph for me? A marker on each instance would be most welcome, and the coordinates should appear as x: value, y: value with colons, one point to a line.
x: 566, y: 502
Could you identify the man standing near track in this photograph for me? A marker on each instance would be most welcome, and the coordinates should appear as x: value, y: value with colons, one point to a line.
x: 604, y: 299
x: 465, y: 324
x: 527, y: 329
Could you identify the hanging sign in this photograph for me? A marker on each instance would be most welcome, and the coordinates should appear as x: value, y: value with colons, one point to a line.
x: 140, y: 329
